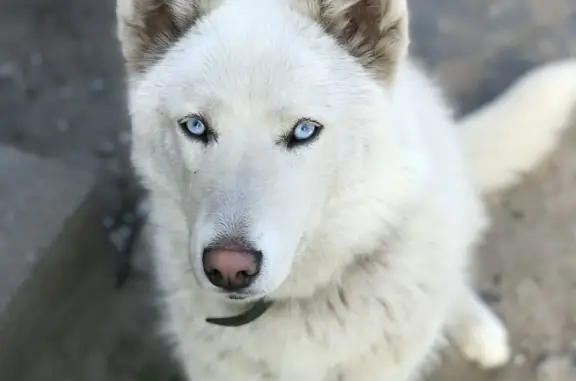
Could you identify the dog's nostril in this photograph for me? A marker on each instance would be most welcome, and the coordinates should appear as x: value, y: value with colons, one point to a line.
x: 243, y: 274
x: 215, y: 276
x: 244, y: 277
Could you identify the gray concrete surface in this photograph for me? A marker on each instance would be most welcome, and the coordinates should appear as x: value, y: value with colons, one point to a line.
x: 37, y: 197
x: 62, y: 96
x: 51, y: 239
x: 528, y: 266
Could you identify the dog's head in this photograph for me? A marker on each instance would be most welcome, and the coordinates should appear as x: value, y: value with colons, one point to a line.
x: 269, y: 130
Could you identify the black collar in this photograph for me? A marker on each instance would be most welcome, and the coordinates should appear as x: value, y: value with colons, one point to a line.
x: 249, y: 316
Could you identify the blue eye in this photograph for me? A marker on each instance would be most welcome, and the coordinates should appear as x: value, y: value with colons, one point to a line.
x: 304, y: 130
x: 195, y: 126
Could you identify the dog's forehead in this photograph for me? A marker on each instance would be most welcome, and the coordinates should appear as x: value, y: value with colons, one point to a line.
x: 231, y: 61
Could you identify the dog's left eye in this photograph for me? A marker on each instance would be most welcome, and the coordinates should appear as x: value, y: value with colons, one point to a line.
x: 304, y: 131
x: 195, y: 127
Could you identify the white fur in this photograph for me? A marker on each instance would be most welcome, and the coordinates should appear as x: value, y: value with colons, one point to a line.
x: 366, y: 233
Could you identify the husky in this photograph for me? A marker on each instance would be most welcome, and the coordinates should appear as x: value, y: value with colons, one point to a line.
x: 315, y: 204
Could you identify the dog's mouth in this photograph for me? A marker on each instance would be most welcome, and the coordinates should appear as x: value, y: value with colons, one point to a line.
x: 247, y: 317
x: 238, y: 297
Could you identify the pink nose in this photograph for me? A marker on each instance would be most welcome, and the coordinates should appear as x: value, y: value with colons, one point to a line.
x: 231, y: 267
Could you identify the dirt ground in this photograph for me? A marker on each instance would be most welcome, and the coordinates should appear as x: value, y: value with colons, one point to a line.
x: 62, y: 95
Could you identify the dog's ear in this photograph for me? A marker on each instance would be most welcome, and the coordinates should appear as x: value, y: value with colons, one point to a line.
x: 148, y: 28
x: 373, y: 31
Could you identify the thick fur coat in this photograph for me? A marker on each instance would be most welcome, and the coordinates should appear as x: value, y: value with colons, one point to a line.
x: 366, y: 231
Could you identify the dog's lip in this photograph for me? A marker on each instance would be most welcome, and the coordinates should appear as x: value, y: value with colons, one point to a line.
x: 237, y: 297
x: 242, y: 297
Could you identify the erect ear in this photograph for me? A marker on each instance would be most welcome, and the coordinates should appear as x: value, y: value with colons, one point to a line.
x: 373, y: 31
x: 148, y: 28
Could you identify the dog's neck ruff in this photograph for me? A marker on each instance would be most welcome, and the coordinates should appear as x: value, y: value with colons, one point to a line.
x: 247, y: 317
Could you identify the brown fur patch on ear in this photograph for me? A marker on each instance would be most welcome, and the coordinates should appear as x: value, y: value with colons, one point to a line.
x: 148, y: 28
x: 373, y: 31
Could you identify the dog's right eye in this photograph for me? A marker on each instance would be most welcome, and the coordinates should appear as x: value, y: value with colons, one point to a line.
x: 195, y: 127
x: 303, y: 132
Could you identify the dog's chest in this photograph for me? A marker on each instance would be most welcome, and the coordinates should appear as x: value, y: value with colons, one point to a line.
x: 278, y: 348
x: 281, y: 345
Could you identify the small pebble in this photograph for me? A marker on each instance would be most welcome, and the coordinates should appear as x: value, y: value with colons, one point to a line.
x: 106, y: 149
x: 517, y: 214
x: 490, y: 297
x: 7, y: 69
x: 120, y: 237
x: 519, y: 359
x: 497, y: 279
x: 108, y: 222
x: 36, y: 59
x: 62, y: 125
x: 143, y: 208
x: 125, y: 138
x: 97, y: 85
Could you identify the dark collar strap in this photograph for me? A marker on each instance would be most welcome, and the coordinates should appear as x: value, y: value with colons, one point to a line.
x: 247, y: 317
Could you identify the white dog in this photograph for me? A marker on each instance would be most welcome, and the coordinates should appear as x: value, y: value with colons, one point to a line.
x: 314, y: 203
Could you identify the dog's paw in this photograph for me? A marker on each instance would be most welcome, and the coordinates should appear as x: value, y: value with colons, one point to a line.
x: 486, y: 342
